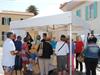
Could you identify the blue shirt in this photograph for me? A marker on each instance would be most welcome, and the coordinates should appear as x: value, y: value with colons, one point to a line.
x: 18, y: 45
x: 53, y: 43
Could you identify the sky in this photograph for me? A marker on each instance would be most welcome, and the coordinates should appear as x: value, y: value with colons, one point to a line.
x: 22, y: 5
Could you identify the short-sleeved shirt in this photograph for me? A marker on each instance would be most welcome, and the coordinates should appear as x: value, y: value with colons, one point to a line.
x: 7, y: 58
x: 18, y: 45
x: 63, y: 51
x: 53, y: 43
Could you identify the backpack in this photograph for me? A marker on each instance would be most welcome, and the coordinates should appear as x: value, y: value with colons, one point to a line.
x: 92, y: 51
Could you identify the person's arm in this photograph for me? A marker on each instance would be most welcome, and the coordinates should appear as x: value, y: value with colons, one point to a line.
x: 82, y: 46
x: 51, y: 49
x: 85, y: 51
x: 56, y: 49
x: 13, y: 52
x: 36, y: 60
x: 99, y: 53
x: 67, y: 49
x: 12, y: 49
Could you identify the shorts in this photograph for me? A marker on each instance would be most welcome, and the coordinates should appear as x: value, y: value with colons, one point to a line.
x: 61, y: 63
x: 33, y: 56
x: 8, y: 68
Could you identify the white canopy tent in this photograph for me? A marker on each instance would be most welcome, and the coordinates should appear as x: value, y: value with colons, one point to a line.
x: 65, y: 20
x: 61, y: 19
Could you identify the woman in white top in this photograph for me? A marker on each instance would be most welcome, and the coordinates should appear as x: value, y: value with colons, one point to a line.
x: 61, y: 51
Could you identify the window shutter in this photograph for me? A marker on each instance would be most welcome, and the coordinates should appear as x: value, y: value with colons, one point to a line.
x: 78, y: 13
x: 2, y: 20
x: 5, y: 21
x: 9, y: 19
x: 95, y: 9
x: 3, y: 36
x: 87, y: 13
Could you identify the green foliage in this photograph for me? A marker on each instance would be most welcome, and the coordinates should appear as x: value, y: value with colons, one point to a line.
x: 32, y: 9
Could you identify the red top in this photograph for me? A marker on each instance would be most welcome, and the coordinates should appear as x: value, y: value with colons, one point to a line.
x: 79, y: 46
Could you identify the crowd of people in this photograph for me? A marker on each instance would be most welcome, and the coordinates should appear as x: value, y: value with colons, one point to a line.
x: 23, y: 56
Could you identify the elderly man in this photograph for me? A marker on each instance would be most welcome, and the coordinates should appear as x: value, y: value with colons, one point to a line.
x: 8, y: 58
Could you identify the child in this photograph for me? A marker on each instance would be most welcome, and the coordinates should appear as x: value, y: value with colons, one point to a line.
x: 24, y: 55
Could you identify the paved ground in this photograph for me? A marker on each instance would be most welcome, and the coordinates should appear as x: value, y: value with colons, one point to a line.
x: 77, y: 73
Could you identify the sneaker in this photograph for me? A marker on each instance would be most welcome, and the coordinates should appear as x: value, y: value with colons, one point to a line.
x: 22, y: 69
x: 76, y: 69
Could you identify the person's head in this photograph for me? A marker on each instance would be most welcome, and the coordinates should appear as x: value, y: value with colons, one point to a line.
x: 92, y: 40
x: 88, y: 34
x: 63, y: 38
x: 53, y: 38
x: 25, y: 40
x: 44, y: 35
x: 67, y: 39
x: 48, y: 38
x: 78, y: 38
x: 14, y: 36
x: 19, y: 38
x: 29, y: 37
x: 38, y: 37
x: 10, y: 35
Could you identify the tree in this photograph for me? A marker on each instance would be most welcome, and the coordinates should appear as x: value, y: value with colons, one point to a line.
x: 32, y: 9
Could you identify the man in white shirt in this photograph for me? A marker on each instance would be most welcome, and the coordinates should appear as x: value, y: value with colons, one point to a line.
x: 8, y: 58
x: 61, y: 51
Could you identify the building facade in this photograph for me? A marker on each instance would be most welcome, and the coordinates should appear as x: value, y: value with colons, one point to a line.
x: 87, y: 10
x: 6, y: 17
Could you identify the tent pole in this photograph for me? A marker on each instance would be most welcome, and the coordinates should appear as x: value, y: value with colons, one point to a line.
x: 71, y: 49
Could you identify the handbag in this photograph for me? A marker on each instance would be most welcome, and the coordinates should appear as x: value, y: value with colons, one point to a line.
x: 80, y: 58
x: 36, y: 69
x: 53, y: 59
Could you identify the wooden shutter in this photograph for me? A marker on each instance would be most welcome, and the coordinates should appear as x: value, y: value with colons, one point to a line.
x: 95, y: 9
x: 87, y: 13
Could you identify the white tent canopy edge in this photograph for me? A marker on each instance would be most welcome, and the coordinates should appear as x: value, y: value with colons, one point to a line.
x: 64, y: 18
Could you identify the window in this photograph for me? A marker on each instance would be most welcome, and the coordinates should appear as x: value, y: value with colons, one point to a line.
x: 78, y: 13
x: 21, y: 19
x: 6, y: 21
x: 95, y: 9
x: 3, y: 20
x: 91, y: 11
x: 4, y: 35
